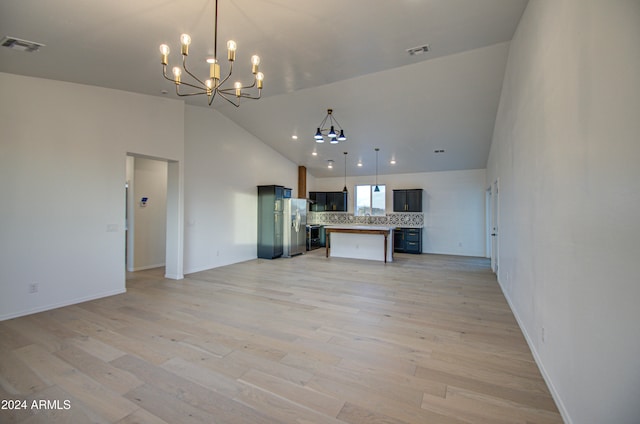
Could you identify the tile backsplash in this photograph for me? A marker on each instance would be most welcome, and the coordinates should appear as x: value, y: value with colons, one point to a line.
x: 399, y: 219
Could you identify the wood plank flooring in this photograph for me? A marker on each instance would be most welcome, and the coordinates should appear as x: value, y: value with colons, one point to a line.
x: 425, y: 339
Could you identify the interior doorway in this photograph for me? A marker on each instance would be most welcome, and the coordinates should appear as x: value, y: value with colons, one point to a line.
x: 152, y: 230
x: 494, y: 232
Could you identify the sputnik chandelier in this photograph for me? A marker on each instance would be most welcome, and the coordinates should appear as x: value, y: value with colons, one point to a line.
x: 334, y: 137
x: 213, y: 85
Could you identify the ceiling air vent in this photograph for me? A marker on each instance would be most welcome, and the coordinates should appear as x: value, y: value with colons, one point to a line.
x: 418, y: 50
x: 21, y: 45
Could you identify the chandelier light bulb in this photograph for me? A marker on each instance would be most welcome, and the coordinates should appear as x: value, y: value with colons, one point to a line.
x: 260, y: 78
x: 176, y: 74
x: 231, y: 50
x: 255, y: 61
x: 332, y: 133
x: 238, y: 87
x: 185, y: 39
x: 164, y: 52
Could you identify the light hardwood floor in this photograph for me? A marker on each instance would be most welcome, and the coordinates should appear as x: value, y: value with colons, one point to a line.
x: 425, y: 339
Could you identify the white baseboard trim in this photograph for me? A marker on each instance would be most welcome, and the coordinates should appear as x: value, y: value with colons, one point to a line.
x: 61, y: 304
x: 174, y: 276
x: 554, y: 393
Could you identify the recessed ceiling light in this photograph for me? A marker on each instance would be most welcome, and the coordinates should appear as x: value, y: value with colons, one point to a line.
x: 314, y: 153
x: 392, y: 161
x: 330, y: 164
x: 360, y: 164
x: 295, y: 137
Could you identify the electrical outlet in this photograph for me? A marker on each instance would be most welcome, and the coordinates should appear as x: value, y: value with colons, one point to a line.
x: 33, y: 288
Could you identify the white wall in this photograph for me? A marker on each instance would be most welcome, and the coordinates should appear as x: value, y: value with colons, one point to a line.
x: 453, y: 206
x: 63, y: 150
x: 150, y: 220
x: 225, y: 164
x: 566, y: 149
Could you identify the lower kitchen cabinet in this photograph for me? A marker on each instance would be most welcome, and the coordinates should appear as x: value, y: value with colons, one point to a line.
x: 407, y: 240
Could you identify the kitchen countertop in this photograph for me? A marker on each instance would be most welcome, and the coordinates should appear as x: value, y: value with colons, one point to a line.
x: 361, y: 227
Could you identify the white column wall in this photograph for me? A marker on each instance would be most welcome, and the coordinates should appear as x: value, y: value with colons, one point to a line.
x: 63, y: 151
x: 225, y: 164
x: 566, y: 148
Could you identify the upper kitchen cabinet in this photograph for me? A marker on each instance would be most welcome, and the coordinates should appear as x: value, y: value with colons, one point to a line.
x: 327, y: 201
x: 337, y: 201
x: 407, y: 200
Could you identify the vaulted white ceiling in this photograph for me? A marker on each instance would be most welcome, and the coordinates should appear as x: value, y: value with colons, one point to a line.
x: 346, y: 55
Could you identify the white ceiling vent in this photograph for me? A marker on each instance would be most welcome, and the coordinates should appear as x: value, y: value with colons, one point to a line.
x: 21, y: 45
x: 418, y: 50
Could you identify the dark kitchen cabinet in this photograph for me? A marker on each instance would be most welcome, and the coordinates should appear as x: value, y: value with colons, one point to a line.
x: 270, y: 215
x: 317, y: 201
x: 407, y: 200
x: 337, y: 201
x: 328, y: 201
x: 407, y: 240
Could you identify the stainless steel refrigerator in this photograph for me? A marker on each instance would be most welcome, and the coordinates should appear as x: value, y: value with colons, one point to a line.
x: 294, y: 227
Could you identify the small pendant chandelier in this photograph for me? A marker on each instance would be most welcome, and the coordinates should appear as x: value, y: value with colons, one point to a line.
x: 331, y: 133
x: 213, y: 85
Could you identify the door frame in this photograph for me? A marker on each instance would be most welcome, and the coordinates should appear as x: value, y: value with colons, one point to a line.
x: 495, y: 225
x: 174, y: 261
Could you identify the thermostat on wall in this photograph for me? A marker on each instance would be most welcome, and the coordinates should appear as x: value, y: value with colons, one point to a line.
x: 143, y: 201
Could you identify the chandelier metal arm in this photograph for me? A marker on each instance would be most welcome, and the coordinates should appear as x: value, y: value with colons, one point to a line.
x: 222, y: 94
x: 334, y: 120
x: 188, y: 94
x: 227, y: 77
x: 184, y: 66
x: 324, y: 121
x: 248, y: 96
x: 164, y: 73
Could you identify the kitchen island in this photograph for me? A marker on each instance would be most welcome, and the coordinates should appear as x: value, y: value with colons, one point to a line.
x: 373, y: 242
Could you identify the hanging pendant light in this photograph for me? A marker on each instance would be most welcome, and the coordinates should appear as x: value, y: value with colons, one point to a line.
x: 331, y: 133
x: 377, y: 189
x: 344, y: 190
